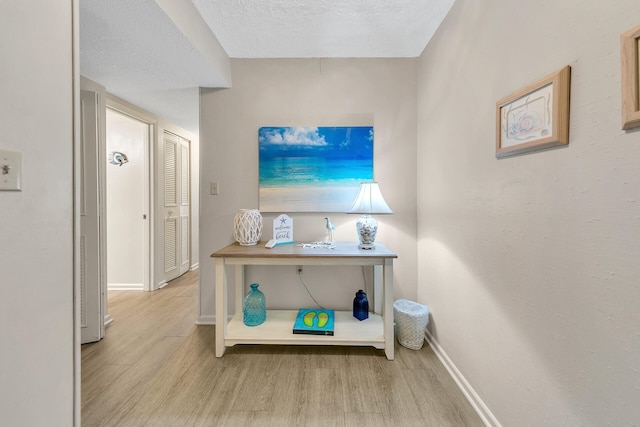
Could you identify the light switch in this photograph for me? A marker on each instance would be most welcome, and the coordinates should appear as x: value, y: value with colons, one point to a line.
x: 10, y: 170
x: 214, y: 190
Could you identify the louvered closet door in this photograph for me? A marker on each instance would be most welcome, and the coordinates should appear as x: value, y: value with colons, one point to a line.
x: 176, y: 206
x: 185, y: 232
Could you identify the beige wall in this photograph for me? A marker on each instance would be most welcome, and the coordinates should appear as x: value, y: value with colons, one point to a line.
x: 311, y: 92
x: 36, y: 253
x: 530, y: 265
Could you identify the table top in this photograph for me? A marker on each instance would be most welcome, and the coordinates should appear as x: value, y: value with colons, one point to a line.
x: 303, y: 250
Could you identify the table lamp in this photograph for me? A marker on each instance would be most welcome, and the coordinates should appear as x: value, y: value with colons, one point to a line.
x: 368, y: 201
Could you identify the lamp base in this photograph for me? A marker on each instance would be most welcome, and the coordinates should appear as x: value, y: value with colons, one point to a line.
x: 367, y: 229
x: 366, y: 246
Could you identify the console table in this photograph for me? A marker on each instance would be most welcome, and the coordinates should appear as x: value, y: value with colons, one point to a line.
x: 376, y: 331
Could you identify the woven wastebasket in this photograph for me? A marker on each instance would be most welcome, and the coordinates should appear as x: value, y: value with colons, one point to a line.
x: 411, y: 322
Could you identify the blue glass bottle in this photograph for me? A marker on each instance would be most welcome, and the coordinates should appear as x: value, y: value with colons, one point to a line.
x: 361, y: 305
x: 254, y: 307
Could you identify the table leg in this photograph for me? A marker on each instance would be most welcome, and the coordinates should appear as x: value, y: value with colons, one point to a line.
x: 389, y: 349
x: 221, y: 306
x: 378, y: 280
x: 239, y: 288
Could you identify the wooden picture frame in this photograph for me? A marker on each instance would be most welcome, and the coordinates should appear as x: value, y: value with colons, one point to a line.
x: 535, y: 117
x: 630, y: 65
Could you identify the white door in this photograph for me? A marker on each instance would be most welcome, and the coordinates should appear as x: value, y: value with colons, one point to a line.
x: 176, y: 206
x: 127, y: 204
x: 91, y: 317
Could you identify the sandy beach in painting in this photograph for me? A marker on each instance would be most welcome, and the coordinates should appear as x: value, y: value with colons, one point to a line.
x: 307, y: 199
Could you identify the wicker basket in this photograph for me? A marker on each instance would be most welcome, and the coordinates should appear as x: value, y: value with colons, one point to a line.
x: 411, y: 321
x: 247, y: 227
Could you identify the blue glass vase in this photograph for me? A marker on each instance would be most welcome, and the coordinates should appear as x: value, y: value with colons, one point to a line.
x: 361, y: 305
x: 254, y: 307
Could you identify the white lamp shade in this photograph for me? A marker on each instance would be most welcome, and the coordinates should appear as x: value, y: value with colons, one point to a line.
x: 370, y: 200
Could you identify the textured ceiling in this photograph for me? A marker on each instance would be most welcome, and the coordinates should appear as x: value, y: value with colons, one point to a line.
x: 156, y: 53
x: 323, y: 28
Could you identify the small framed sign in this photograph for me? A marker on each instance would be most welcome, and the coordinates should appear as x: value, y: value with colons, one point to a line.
x: 283, y: 229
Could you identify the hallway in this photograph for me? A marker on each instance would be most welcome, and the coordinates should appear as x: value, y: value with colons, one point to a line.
x: 157, y: 368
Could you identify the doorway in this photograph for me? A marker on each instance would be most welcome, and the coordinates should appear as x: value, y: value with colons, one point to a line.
x: 127, y: 201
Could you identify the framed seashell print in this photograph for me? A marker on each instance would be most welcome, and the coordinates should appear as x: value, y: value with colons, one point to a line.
x: 630, y: 70
x: 535, y: 117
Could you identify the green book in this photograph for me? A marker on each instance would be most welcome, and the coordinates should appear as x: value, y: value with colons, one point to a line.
x: 314, y: 321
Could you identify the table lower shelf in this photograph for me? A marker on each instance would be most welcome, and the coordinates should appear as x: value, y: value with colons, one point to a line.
x: 278, y: 329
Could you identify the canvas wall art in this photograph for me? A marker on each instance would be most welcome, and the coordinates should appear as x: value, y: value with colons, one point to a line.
x: 313, y: 169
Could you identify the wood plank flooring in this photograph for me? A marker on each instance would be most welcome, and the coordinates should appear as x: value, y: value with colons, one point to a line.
x: 155, y: 367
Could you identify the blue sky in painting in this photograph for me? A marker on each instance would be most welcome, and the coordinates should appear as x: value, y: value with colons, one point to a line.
x: 329, y: 142
x: 315, y: 156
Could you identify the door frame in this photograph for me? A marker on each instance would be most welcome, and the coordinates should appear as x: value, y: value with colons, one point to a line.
x: 116, y: 104
x: 100, y: 170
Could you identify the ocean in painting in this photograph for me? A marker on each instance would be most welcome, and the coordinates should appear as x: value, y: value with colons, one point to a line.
x: 313, y: 169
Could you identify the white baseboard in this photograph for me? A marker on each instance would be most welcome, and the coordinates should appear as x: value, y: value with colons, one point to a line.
x: 206, y: 320
x: 125, y: 286
x: 195, y: 266
x: 162, y: 284
x: 107, y: 320
x: 483, y: 411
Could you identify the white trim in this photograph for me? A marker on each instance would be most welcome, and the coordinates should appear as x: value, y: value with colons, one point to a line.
x: 107, y: 320
x: 206, y: 320
x: 100, y: 93
x: 125, y: 286
x: 476, y: 402
x: 195, y: 266
x: 162, y: 284
x: 75, y: 158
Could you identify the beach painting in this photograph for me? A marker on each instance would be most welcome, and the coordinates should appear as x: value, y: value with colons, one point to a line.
x: 313, y: 169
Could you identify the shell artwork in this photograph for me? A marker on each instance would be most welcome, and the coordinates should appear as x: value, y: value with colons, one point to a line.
x: 117, y: 158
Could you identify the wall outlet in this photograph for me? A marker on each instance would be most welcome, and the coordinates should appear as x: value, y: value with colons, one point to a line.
x: 299, y: 269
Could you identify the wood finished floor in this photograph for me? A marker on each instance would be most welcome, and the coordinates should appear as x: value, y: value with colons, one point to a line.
x: 155, y: 367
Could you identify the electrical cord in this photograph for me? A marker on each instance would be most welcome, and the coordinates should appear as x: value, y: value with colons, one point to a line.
x: 307, y: 289
x: 364, y: 280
